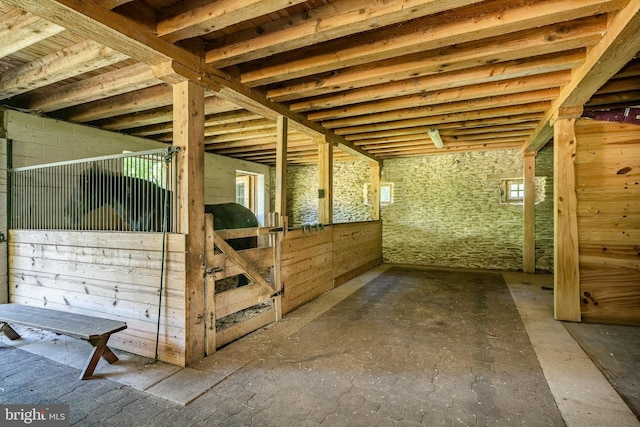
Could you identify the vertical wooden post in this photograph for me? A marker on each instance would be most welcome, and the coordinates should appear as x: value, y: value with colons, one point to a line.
x: 375, y: 191
x: 325, y: 182
x: 529, y: 248
x: 188, y: 134
x: 281, y: 165
x: 567, y: 271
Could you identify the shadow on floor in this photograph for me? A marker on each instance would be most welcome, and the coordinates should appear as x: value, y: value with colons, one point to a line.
x: 615, y: 350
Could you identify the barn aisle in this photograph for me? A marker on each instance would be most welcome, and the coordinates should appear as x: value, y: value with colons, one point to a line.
x: 415, y: 346
x: 396, y: 346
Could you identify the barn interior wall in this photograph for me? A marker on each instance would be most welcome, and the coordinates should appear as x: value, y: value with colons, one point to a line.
x: 544, y: 212
x: 447, y: 211
x: 38, y: 140
x: 220, y: 181
x: 607, y: 170
x: 349, y: 179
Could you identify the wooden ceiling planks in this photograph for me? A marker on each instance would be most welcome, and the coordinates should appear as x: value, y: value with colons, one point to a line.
x: 373, y: 76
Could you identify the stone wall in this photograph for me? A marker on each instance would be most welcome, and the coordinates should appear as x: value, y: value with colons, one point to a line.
x: 544, y: 212
x: 349, y: 179
x: 446, y: 210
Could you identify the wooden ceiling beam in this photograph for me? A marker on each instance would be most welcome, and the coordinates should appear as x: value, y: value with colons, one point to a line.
x: 128, y: 103
x: 623, y: 99
x: 257, y: 142
x: 449, y: 134
x: 467, y: 94
x: 117, y: 82
x: 20, y: 29
x: 446, y: 81
x: 450, y: 108
x: 71, y: 61
x: 215, y: 119
x: 195, y: 18
x: 524, y: 121
x: 618, y: 46
x: 525, y: 44
x: 334, y: 20
x: 448, y: 148
x: 511, y: 112
x: 161, y: 114
x: 436, y: 32
x: 90, y: 20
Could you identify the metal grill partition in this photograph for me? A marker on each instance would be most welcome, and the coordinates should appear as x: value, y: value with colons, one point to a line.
x: 123, y: 192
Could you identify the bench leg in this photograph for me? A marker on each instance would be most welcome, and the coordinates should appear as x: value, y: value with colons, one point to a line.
x: 100, y: 349
x: 8, y: 331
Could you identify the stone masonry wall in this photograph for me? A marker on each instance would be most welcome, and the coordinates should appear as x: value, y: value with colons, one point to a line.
x: 544, y: 212
x: 446, y: 209
x: 349, y: 179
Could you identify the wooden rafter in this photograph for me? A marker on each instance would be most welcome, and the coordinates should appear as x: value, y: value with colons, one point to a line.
x: 338, y: 19
x: 435, y: 32
x: 135, y: 40
x: 617, y: 48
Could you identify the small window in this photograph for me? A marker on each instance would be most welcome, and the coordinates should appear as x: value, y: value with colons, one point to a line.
x: 512, y: 190
x: 515, y: 191
x: 386, y: 193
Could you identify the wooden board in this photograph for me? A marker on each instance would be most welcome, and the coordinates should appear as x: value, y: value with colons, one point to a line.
x: 106, y: 274
x: 607, y: 166
x: 60, y: 322
x: 316, y: 262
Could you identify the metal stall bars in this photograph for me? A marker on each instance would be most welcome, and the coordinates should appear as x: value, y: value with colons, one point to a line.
x: 122, y: 192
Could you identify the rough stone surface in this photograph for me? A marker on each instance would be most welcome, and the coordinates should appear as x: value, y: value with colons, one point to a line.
x: 348, y: 193
x: 446, y: 210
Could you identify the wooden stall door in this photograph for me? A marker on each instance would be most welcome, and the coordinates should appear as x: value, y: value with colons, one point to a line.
x: 233, y: 313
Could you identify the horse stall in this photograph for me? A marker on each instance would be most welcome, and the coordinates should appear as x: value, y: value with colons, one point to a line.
x: 96, y: 237
x: 81, y: 240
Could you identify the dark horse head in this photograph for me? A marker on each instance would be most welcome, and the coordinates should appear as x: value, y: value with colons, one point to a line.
x: 140, y: 203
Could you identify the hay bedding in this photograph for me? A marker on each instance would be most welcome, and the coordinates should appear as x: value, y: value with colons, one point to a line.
x: 242, y: 315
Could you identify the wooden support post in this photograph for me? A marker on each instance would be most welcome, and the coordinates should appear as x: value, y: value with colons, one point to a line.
x: 566, y: 266
x: 375, y: 190
x: 188, y: 135
x: 281, y: 165
x: 325, y: 182
x: 529, y: 248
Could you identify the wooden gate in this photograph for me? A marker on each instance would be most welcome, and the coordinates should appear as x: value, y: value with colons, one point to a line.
x: 238, y: 311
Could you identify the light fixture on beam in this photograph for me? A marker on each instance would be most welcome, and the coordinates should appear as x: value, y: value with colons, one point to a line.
x: 435, y: 137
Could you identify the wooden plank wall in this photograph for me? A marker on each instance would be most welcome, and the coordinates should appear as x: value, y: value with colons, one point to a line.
x: 607, y: 166
x: 106, y: 274
x: 317, y: 261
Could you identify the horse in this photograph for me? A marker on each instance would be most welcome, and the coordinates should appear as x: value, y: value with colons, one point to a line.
x: 141, y: 204
x: 145, y: 206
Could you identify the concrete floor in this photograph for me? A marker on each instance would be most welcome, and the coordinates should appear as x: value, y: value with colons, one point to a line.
x: 450, y: 350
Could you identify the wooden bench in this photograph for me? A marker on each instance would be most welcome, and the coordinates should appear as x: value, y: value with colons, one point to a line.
x: 96, y: 330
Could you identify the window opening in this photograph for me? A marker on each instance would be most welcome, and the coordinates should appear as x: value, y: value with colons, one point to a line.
x: 386, y: 193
